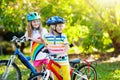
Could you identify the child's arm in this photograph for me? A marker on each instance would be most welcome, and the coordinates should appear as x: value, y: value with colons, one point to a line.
x: 65, y: 51
x: 66, y: 48
x: 41, y: 39
x: 66, y: 43
x: 36, y: 40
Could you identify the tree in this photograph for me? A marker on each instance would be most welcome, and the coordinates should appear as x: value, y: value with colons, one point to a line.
x: 94, y: 25
x: 108, y: 13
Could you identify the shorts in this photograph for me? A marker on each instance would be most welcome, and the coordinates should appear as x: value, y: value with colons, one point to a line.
x: 64, y: 70
x: 37, y: 63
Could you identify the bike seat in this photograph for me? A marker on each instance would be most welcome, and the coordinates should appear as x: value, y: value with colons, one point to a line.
x: 75, y: 61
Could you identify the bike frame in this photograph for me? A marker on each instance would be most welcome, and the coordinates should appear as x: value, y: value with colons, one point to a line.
x: 21, y: 57
x: 23, y: 60
x: 9, y: 65
x: 51, y: 68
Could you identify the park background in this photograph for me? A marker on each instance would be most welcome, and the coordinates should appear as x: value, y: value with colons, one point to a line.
x: 92, y: 28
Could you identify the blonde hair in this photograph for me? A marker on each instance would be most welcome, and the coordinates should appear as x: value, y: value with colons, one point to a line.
x: 30, y: 29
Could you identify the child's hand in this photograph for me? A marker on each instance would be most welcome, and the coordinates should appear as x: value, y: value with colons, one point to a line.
x: 60, y: 55
x: 29, y: 38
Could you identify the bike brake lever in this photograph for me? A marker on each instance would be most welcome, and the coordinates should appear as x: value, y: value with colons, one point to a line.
x: 14, y: 38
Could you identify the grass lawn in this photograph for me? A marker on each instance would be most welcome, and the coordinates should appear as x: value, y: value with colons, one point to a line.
x: 108, y: 71
x: 105, y: 70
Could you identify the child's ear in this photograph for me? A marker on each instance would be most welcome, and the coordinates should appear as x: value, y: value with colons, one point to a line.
x: 52, y: 26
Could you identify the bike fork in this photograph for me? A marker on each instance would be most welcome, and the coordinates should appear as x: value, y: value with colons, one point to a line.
x: 7, y: 70
x: 47, y: 74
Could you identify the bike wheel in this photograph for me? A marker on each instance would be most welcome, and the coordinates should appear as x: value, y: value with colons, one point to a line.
x: 14, y: 73
x: 87, y: 71
x: 40, y: 76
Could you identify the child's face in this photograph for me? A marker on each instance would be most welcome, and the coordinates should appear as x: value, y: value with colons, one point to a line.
x: 36, y: 23
x: 60, y: 27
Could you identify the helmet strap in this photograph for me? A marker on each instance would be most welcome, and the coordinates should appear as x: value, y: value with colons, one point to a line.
x: 56, y: 30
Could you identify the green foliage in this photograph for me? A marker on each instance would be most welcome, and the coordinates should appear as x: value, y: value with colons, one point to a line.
x: 87, y: 21
x: 12, y: 15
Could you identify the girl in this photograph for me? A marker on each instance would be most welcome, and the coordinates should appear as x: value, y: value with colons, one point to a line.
x: 35, y: 33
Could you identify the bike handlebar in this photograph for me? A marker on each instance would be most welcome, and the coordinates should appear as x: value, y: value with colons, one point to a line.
x: 16, y: 39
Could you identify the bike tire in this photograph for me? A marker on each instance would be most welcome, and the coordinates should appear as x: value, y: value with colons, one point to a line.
x: 40, y: 75
x: 89, y: 71
x: 14, y: 73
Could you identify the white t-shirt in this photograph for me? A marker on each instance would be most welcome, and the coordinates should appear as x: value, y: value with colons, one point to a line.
x: 36, y: 34
x: 37, y: 47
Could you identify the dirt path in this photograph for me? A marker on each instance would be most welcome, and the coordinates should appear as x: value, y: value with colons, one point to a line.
x: 97, y: 57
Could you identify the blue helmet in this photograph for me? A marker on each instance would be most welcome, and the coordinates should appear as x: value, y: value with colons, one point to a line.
x: 55, y: 20
x: 33, y: 16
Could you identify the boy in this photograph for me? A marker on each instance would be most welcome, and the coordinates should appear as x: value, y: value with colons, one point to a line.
x: 57, y: 44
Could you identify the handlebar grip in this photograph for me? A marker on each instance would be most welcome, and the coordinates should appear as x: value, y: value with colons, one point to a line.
x: 46, y: 51
x: 16, y: 39
x: 29, y: 40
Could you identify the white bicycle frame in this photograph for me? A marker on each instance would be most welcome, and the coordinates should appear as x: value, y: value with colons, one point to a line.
x: 47, y: 74
x: 9, y: 66
x: 81, y: 76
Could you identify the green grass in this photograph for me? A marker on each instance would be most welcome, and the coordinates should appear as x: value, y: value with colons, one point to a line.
x: 105, y: 71
x: 108, y: 71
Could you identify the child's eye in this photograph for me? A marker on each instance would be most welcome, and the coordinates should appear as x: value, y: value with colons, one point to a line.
x: 60, y: 26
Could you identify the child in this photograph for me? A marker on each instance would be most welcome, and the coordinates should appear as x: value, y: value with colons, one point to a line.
x: 34, y: 33
x: 57, y: 43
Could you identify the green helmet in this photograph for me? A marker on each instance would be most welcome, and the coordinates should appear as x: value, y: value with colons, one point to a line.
x: 33, y: 16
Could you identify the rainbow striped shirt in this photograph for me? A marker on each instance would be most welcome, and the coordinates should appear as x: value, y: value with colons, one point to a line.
x: 56, y: 44
x: 36, y: 48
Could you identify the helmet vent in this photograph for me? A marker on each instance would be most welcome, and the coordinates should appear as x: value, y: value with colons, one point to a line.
x: 35, y: 14
x: 31, y: 15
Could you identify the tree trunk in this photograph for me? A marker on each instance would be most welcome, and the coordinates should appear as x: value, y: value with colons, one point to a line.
x: 116, y: 45
x: 22, y: 47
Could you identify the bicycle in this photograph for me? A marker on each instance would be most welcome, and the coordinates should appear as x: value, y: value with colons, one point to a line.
x: 85, y: 67
x: 84, y: 72
x: 9, y: 69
